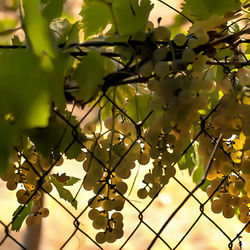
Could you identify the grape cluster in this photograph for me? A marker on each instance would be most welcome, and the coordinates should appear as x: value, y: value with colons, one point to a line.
x: 108, y: 160
x: 26, y: 172
x: 232, y: 158
x: 182, y: 92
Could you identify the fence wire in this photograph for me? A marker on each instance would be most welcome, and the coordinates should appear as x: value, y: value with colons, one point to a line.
x: 157, y: 235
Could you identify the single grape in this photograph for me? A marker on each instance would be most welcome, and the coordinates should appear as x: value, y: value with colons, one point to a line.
x: 142, y: 193
x: 11, y: 184
x: 188, y: 55
x: 59, y: 162
x: 161, y: 69
x: 217, y: 206
x: 100, y: 237
x: 44, y: 212
x: 32, y: 220
x: 47, y: 187
x: 146, y: 69
x: 180, y: 39
x: 228, y: 212
x: 89, y: 128
x: 161, y: 33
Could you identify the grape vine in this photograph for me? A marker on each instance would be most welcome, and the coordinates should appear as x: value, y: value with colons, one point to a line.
x: 160, y: 94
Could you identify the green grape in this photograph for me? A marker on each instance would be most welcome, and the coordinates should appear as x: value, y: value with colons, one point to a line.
x: 244, y: 209
x: 22, y: 196
x: 108, y: 205
x: 203, y: 38
x: 159, y: 55
x: 118, y: 233
x: 225, y: 86
x: 161, y: 33
x: 180, y: 39
x: 164, y: 179
x: 59, y: 162
x: 89, y: 128
x: 149, y: 178
x: 217, y: 206
x: 11, y: 184
x: 143, y: 158
x: 43, y: 212
x: 170, y: 171
x: 95, y: 201
x: 188, y: 55
x: 236, y: 201
x: 247, y: 228
x: 47, y: 187
x: 108, y: 123
x: 100, y: 221
x: 154, y: 152
x: 152, y: 84
x: 122, y: 187
x: 154, y: 190
x: 81, y: 157
x: 33, y: 220
x: 228, y: 212
x: 193, y: 43
x: 244, y: 218
x: 123, y: 171
x: 100, y: 237
x: 142, y: 193
x: 119, y: 203
x: 161, y: 69
x: 245, y: 199
x: 93, y: 213
x: 146, y: 69
x: 117, y: 216
x: 226, y: 199
x: 110, y: 236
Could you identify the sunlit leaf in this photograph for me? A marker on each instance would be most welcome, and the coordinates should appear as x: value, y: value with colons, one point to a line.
x: 17, y: 223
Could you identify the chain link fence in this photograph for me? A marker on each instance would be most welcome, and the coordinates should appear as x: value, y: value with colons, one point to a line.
x: 157, y: 234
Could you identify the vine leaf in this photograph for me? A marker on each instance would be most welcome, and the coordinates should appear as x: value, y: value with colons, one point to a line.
x: 17, y: 223
x: 63, y: 192
x: 57, y: 136
x: 53, y: 9
x: 197, y: 9
x: 187, y: 161
x: 66, y: 180
x: 96, y: 15
x: 130, y: 16
x: 89, y: 75
x: 37, y: 29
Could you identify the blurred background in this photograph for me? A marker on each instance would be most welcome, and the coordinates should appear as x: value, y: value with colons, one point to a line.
x: 58, y: 227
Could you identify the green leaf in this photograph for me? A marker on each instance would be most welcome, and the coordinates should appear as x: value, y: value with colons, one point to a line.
x: 63, y: 192
x: 17, y: 223
x: 60, y: 28
x: 24, y: 88
x: 66, y: 180
x: 53, y: 9
x: 96, y: 15
x: 187, y: 160
x: 197, y: 9
x: 129, y: 16
x: 37, y: 29
x: 57, y: 136
x: 138, y: 107
x: 89, y: 75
